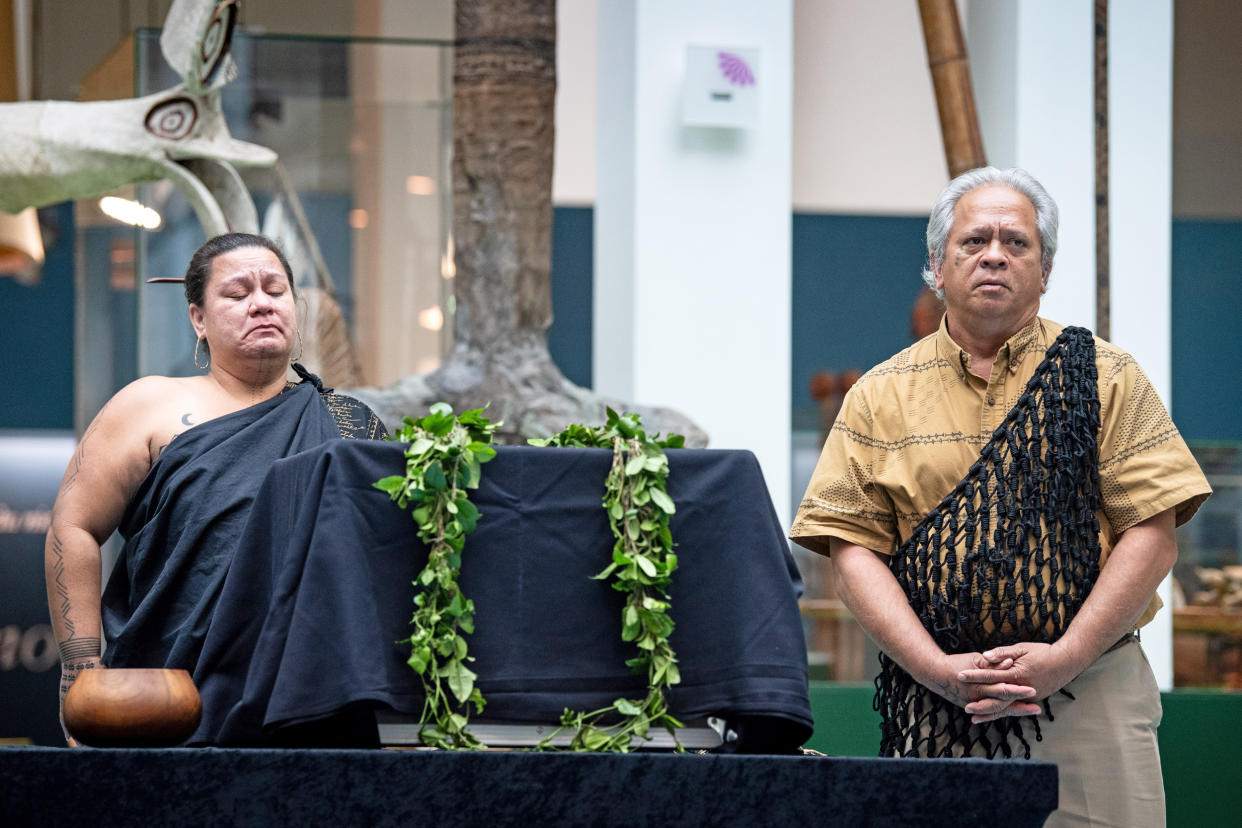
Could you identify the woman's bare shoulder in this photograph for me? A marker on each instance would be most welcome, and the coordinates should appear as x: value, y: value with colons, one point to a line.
x: 145, y: 390
x: 145, y: 400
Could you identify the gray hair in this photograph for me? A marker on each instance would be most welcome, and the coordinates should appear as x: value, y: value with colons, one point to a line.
x: 941, y: 220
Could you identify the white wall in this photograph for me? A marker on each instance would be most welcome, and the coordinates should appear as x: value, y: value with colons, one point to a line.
x: 573, y: 173
x: 692, y: 228
x: 866, y: 133
x: 1031, y: 64
x: 1140, y: 57
x: 862, y: 98
x: 1034, y: 63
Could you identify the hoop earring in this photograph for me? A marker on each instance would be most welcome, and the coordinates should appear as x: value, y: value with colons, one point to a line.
x: 294, y: 359
x: 198, y: 342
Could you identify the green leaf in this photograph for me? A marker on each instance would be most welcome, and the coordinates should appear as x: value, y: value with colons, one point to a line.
x: 467, y: 514
x: 615, y: 511
x: 634, y: 466
x: 460, y: 679
x: 438, y: 424
x: 645, y: 564
x: 482, y: 451
x: 663, y: 501
x: 420, y: 446
x: 434, y: 476
x: 630, y: 632
x: 456, y: 606
x: 469, y: 475
x: 627, y: 708
x: 594, y: 739
x: 393, y: 483
x: 442, y: 408
x: 476, y: 698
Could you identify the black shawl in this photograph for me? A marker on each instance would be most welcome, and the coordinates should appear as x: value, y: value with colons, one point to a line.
x: 182, y: 523
x: 1008, y: 556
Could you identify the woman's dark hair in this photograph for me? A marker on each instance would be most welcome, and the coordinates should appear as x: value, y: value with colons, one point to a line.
x: 199, y: 271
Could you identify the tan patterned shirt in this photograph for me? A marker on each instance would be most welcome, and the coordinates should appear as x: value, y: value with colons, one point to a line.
x: 910, y: 428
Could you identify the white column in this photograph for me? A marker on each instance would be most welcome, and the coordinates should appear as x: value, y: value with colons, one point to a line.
x: 1032, y: 66
x: 692, y: 228
x: 1140, y: 155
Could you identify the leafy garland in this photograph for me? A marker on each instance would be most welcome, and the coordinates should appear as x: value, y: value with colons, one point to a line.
x: 643, y: 561
x: 443, y: 457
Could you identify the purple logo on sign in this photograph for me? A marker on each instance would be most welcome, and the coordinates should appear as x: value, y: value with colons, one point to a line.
x: 735, y: 69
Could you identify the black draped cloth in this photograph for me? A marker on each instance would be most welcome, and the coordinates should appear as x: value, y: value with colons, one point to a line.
x: 183, y: 523
x: 319, y: 593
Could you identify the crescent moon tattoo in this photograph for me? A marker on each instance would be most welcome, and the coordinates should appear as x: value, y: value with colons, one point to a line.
x: 185, y: 419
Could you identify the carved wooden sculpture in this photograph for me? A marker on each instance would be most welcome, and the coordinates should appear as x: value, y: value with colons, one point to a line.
x: 53, y: 151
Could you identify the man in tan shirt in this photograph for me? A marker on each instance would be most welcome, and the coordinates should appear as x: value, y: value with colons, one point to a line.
x: 999, y: 501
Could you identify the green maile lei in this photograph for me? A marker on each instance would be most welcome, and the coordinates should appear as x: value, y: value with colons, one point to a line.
x: 636, y: 499
x: 443, y: 459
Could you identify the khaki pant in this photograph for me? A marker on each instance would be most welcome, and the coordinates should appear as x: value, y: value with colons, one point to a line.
x: 1104, y: 744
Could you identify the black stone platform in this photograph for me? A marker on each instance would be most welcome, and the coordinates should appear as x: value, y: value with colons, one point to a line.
x: 88, y: 788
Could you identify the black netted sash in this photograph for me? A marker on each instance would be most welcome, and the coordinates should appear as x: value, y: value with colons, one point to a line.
x: 1009, y: 555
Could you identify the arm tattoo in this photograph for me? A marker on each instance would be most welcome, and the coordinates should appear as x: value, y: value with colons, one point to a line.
x: 76, y: 655
x: 62, y: 591
x: 79, y: 456
x: 945, y: 689
x: 76, y: 650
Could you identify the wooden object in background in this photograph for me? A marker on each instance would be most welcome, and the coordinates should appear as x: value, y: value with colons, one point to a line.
x: 1102, y: 265
x: 955, y: 97
x: 132, y: 707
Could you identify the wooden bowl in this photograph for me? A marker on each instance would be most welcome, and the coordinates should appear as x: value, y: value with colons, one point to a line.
x: 132, y: 707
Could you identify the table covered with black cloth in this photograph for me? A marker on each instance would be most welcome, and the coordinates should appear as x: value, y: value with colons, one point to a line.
x: 319, y: 593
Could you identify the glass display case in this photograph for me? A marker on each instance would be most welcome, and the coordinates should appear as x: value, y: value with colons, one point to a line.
x: 360, y: 199
x: 1207, y: 605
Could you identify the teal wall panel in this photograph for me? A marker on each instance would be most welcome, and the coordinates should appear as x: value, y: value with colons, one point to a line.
x: 1207, y: 334
x: 36, y: 335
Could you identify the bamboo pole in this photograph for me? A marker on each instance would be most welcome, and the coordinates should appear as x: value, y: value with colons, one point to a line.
x: 955, y: 97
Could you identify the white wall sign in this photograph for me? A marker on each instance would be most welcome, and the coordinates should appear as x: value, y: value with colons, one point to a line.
x: 721, y: 87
